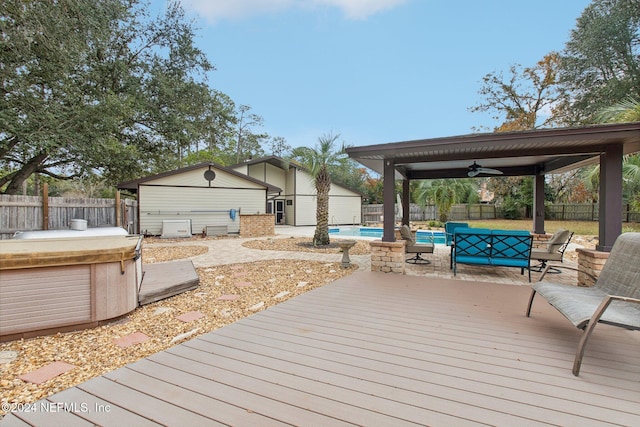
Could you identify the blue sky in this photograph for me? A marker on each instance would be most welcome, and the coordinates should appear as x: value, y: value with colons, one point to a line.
x: 374, y: 71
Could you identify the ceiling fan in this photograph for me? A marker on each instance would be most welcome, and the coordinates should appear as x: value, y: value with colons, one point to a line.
x: 475, y: 169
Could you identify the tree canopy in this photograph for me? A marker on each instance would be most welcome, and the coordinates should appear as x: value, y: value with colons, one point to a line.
x: 122, y: 94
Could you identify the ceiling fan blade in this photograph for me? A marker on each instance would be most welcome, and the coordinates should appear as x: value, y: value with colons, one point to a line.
x: 473, y: 173
x: 489, y: 171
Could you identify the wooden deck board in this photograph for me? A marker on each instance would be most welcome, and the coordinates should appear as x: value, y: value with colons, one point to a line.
x: 375, y: 349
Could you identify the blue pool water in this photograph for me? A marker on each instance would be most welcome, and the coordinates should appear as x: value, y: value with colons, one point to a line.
x: 422, y: 236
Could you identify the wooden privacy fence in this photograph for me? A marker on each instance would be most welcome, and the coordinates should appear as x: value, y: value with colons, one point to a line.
x: 30, y: 213
x: 560, y: 212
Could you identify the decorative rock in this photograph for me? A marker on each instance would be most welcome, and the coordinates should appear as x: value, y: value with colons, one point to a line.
x: 185, y: 335
x: 162, y: 310
x: 257, y: 306
x: 281, y: 295
x: 243, y: 284
x: 8, y: 356
x: 302, y: 284
x: 228, y: 297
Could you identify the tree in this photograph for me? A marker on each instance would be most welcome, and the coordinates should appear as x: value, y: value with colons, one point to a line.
x: 526, y: 99
x: 279, y: 147
x: 318, y: 162
x: 627, y: 110
x: 445, y: 193
x: 247, y: 142
x: 600, y: 65
x: 120, y: 95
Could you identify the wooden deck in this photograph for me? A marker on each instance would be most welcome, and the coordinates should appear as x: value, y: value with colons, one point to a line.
x: 374, y: 349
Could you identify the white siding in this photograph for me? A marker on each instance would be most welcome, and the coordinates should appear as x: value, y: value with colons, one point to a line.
x: 196, y: 178
x: 305, y: 206
x: 345, y: 210
x: 203, y: 206
x: 268, y: 173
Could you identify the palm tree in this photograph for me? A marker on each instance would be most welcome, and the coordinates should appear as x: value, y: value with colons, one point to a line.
x: 444, y: 193
x: 317, y: 161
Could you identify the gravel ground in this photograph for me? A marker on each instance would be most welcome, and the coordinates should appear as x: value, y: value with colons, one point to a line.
x: 94, y: 352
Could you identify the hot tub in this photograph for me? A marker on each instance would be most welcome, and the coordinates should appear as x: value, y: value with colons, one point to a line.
x: 49, y: 285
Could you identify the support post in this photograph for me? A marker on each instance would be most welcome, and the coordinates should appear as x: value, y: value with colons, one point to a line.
x: 406, y: 202
x: 538, y: 204
x: 118, y: 210
x: 45, y: 206
x: 610, y: 207
x: 388, y: 198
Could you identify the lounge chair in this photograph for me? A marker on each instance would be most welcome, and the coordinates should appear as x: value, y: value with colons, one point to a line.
x: 614, y: 299
x: 412, y: 247
x: 554, y: 251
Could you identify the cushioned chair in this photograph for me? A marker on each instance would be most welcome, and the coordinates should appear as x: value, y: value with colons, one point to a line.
x: 412, y: 247
x: 449, y: 230
x: 554, y: 251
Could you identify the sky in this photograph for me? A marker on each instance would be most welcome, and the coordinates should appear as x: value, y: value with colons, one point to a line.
x: 373, y: 71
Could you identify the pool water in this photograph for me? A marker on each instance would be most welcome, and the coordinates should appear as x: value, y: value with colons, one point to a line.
x: 422, y: 236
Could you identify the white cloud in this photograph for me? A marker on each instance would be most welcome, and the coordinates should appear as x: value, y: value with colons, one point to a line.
x: 237, y: 9
x: 361, y: 9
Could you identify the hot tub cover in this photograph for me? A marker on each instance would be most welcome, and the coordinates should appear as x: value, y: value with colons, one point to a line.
x: 16, y: 254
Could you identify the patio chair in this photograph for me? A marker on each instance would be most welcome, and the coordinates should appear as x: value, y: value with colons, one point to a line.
x: 614, y: 299
x: 449, y: 230
x: 412, y: 247
x: 554, y: 251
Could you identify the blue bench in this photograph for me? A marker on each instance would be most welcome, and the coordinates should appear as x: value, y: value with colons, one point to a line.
x: 495, y: 248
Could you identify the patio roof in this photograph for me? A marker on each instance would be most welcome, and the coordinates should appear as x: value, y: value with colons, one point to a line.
x: 534, y: 153
x: 514, y: 153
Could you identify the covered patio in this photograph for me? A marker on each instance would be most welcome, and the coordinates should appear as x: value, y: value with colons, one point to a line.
x: 525, y: 153
x: 366, y: 350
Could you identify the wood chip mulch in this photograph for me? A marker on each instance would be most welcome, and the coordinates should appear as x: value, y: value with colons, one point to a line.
x: 95, y: 351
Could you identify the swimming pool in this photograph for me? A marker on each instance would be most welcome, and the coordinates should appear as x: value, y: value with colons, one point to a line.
x: 422, y: 236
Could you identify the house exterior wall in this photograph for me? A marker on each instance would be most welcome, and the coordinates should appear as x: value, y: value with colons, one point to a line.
x: 344, y: 204
x: 188, y: 196
x: 268, y: 173
x: 299, y: 193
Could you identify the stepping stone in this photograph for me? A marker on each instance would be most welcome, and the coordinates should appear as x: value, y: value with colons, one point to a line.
x: 243, y: 284
x: 190, y: 316
x: 47, y: 372
x: 228, y: 297
x: 131, y: 339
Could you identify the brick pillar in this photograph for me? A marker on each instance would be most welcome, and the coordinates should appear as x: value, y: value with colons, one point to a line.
x: 387, y: 257
x: 590, y: 261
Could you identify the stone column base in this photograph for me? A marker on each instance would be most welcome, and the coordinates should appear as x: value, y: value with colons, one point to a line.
x: 387, y: 257
x: 590, y: 261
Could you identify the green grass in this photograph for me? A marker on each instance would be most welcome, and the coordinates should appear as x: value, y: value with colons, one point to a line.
x: 581, y: 228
